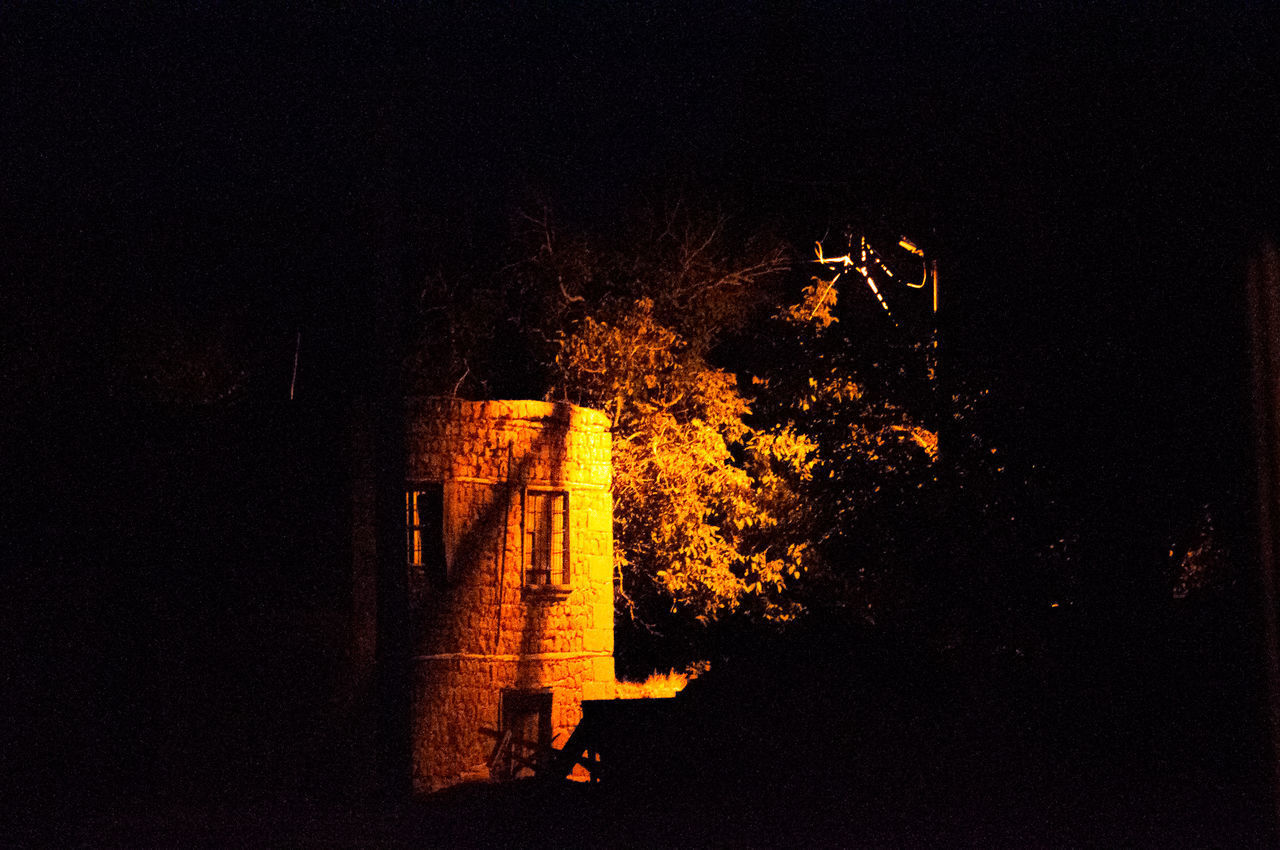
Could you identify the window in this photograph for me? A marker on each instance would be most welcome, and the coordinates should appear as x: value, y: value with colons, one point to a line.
x: 525, y: 741
x: 424, y: 515
x: 546, y: 531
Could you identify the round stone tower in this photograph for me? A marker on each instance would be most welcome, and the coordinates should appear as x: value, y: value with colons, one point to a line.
x: 510, y: 525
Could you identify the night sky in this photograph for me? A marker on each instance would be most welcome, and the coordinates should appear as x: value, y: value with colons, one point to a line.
x: 1091, y: 179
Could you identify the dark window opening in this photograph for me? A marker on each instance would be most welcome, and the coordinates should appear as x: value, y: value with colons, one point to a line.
x: 526, y: 731
x: 424, y: 514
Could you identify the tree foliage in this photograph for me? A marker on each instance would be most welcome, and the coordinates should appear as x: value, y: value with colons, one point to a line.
x: 1200, y: 561
x: 829, y: 367
x: 708, y: 518
x: 705, y: 507
x: 776, y: 440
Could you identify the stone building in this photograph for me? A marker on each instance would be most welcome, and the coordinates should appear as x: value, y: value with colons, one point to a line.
x: 510, y: 542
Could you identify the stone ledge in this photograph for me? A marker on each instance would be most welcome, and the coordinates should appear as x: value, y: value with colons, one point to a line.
x: 531, y: 656
x: 554, y: 413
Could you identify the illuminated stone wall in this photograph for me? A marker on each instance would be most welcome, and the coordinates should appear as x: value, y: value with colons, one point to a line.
x: 482, y: 629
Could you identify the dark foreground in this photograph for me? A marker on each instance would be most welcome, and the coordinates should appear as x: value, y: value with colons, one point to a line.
x: 830, y: 740
x: 1111, y: 811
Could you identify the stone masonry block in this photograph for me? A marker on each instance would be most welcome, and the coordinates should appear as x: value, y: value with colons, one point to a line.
x: 597, y: 690
x: 602, y: 669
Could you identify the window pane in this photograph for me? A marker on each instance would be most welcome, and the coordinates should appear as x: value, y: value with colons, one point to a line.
x: 410, y: 524
x: 557, y: 562
x: 533, y: 569
x: 545, y: 538
x: 417, y: 528
x: 425, y: 519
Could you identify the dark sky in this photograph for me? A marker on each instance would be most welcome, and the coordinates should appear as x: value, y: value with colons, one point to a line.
x: 1090, y: 176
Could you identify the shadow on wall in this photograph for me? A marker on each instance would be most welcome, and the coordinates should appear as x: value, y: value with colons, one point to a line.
x: 474, y: 551
x: 537, y: 615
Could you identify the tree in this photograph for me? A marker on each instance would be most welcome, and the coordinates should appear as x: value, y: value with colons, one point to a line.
x: 1200, y: 563
x: 835, y: 372
x: 707, y: 514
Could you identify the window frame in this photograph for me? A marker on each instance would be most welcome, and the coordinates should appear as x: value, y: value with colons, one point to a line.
x: 557, y: 580
x: 418, y: 557
x: 516, y: 705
